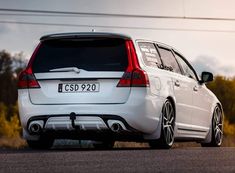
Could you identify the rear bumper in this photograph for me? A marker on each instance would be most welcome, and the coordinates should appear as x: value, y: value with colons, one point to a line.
x: 79, y: 123
x: 90, y: 127
x: 139, y: 114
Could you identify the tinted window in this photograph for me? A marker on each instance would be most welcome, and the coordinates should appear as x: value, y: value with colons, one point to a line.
x: 186, y: 68
x: 150, y: 54
x: 169, y: 60
x: 89, y: 54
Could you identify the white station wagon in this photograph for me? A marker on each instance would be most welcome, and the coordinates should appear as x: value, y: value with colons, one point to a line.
x: 107, y: 87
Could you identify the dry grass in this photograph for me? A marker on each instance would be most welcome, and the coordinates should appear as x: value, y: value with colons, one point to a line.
x: 229, y: 141
x: 16, y: 142
x: 130, y: 145
x: 145, y: 145
x: 185, y: 144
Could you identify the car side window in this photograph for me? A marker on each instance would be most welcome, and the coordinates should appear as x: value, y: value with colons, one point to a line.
x: 188, y: 71
x: 169, y: 60
x: 150, y: 54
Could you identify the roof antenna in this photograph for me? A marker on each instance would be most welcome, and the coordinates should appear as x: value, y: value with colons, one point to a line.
x: 93, y: 30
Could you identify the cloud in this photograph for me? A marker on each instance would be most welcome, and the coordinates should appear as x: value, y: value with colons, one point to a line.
x: 3, y: 28
x: 7, y: 28
x: 212, y: 64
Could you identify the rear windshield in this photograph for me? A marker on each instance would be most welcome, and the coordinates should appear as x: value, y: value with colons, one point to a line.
x: 88, y: 54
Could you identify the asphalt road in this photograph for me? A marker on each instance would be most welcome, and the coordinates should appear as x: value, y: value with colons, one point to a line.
x: 190, y: 159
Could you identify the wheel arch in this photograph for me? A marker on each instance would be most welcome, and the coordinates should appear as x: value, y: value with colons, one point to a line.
x: 221, y: 108
x: 213, y: 109
x: 157, y: 133
x: 172, y: 100
x: 209, y: 135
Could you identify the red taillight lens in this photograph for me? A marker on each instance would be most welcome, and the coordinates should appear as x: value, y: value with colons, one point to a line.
x: 26, y: 77
x: 139, y: 78
x: 125, y: 81
x: 134, y: 75
x: 27, y: 80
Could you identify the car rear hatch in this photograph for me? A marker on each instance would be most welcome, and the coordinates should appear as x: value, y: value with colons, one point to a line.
x: 79, y: 70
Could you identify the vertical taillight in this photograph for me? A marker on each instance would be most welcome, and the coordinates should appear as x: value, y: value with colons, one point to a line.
x: 139, y: 78
x: 134, y: 76
x: 26, y: 78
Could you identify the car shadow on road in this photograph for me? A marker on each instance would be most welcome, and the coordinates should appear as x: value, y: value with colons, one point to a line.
x: 81, y: 147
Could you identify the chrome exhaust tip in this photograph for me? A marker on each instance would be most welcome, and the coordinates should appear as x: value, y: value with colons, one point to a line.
x: 35, y: 127
x: 116, y: 127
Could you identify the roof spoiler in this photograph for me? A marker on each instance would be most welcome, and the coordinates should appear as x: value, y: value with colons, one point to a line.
x: 83, y: 35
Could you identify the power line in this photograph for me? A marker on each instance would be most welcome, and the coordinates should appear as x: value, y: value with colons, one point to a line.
x: 44, y: 15
x: 114, y: 14
x: 120, y: 27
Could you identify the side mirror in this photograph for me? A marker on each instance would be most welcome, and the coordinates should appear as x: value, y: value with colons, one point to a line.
x: 206, y: 77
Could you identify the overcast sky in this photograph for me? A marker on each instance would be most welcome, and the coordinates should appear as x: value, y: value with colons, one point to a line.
x: 208, y: 44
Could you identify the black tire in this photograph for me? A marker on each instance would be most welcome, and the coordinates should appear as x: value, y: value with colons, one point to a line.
x: 217, y: 129
x: 103, y: 144
x: 167, y: 128
x: 42, y: 143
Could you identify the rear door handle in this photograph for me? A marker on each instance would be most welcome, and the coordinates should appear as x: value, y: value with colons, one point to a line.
x: 177, y: 83
x: 195, y: 88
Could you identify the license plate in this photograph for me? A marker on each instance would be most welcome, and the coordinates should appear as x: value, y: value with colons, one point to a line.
x: 78, y: 87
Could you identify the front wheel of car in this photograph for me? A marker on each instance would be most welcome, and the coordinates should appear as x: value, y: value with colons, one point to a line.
x: 167, y: 128
x: 42, y: 143
x: 217, y: 129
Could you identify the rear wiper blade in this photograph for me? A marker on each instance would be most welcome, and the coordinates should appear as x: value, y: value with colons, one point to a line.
x: 66, y: 69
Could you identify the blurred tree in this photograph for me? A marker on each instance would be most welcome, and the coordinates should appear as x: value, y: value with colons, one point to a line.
x: 18, y: 63
x: 224, y: 89
x: 5, y: 62
x: 9, y: 68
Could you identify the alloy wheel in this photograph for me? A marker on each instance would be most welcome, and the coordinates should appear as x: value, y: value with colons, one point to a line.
x: 168, y: 115
x: 217, y: 126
